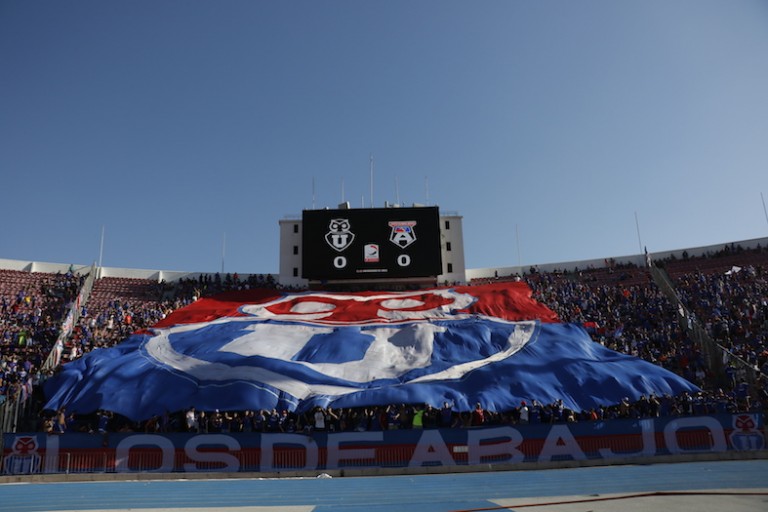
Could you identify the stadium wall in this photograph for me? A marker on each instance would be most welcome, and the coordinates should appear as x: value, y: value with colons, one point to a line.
x: 532, y: 445
x: 636, y: 259
x: 39, y: 266
x: 469, y: 274
x: 452, y: 249
x: 290, y: 252
x: 501, y: 272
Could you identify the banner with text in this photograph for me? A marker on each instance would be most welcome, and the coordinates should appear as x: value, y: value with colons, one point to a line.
x: 279, y: 452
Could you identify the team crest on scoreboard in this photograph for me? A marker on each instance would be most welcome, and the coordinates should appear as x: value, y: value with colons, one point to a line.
x: 403, y: 233
x: 339, y: 236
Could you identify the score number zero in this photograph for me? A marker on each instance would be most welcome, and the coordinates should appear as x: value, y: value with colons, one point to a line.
x: 341, y: 261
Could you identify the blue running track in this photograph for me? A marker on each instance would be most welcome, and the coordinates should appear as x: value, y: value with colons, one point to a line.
x: 420, y: 493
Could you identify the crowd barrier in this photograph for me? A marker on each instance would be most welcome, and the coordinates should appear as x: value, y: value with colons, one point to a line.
x: 277, y: 452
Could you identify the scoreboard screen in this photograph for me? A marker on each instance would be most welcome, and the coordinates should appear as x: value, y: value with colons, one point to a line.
x: 371, y: 243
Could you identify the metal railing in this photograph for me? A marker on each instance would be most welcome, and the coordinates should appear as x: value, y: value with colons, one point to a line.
x: 715, y: 354
x: 73, y: 315
x: 18, y: 404
x: 712, y: 352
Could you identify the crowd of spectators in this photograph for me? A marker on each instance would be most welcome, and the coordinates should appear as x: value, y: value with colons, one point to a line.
x: 32, y: 309
x: 108, y: 322
x: 732, y: 306
x: 402, y: 416
x: 639, y: 319
x: 33, y: 306
x: 205, y: 285
x: 636, y: 320
x: 620, y: 306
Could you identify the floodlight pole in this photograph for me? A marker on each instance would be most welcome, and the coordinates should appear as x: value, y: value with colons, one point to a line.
x: 101, y: 245
x: 371, y: 180
x: 765, y: 212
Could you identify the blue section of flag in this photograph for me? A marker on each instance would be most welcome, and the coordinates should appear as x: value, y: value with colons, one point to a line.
x: 196, y: 368
x: 341, y: 346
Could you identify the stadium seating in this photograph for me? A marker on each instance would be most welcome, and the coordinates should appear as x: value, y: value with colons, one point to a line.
x: 620, y: 306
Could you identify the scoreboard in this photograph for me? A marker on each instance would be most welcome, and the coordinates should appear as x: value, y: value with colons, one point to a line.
x: 371, y: 243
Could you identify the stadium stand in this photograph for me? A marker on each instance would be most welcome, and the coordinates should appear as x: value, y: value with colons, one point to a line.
x: 116, y: 308
x: 728, y: 294
x: 637, y: 320
x: 622, y: 306
x: 33, y: 307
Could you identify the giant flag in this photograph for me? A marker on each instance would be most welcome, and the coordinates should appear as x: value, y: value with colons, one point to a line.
x: 265, y: 349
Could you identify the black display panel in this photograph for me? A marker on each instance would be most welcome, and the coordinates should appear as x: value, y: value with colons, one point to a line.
x: 371, y: 243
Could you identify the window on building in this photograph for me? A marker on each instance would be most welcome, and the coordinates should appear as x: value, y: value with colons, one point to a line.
x: 295, y: 271
x: 295, y: 228
x: 447, y: 224
x: 447, y: 246
x: 450, y: 268
x: 295, y: 249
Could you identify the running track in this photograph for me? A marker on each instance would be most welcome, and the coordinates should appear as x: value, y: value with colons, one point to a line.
x: 724, y: 485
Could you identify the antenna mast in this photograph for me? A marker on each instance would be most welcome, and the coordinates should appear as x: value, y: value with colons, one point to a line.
x: 223, y: 250
x: 371, y: 180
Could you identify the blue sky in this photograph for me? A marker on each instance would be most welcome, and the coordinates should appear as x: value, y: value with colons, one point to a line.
x: 177, y: 124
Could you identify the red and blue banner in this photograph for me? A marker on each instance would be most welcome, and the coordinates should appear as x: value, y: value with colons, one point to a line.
x: 264, y: 349
x: 278, y: 452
